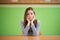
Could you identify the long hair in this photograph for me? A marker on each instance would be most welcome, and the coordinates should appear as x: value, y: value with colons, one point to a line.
x: 25, y: 21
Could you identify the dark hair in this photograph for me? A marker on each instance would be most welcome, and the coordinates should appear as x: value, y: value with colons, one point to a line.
x: 25, y: 21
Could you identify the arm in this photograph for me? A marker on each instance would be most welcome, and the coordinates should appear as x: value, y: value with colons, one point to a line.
x: 25, y: 30
x: 36, y: 29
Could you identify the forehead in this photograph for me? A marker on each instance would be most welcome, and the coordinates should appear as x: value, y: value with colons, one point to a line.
x: 30, y: 11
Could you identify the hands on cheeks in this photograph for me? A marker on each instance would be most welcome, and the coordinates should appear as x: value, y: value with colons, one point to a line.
x: 31, y: 22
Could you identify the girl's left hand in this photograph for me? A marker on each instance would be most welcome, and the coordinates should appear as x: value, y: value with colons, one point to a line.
x: 33, y: 20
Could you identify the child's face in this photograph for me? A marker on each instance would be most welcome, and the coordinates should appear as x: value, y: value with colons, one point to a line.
x: 30, y: 15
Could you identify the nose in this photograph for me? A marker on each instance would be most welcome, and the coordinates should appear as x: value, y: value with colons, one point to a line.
x: 30, y: 15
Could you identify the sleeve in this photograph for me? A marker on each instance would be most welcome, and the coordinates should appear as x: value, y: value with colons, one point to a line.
x: 36, y: 29
x: 24, y: 30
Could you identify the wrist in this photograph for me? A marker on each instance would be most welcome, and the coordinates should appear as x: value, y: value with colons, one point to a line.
x: 31, y: 22
x: 28, y: 23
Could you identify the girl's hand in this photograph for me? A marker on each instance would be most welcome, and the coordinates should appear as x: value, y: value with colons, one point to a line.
x: 28, y: 20
x: 33, y: 20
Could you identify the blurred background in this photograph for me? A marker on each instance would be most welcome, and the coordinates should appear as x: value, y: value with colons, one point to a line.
x: 12, y: 12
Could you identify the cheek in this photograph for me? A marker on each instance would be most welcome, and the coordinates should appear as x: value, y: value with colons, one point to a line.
x: 27, y: 16
x: 31, y: 16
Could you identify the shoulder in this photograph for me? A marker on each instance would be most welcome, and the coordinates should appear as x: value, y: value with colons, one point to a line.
x: 21, y: 22
x: 38, y: 21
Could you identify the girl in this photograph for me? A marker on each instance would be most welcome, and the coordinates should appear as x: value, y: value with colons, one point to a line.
x: 30, y: 26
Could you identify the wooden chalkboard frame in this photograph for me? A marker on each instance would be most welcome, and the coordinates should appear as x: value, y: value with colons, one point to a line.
x: 28, y: 2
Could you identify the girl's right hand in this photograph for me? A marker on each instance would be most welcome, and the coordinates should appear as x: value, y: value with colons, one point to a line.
x: 28, y: 20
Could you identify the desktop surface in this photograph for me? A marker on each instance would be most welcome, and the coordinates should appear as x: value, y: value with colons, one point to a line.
x: 30, y: 37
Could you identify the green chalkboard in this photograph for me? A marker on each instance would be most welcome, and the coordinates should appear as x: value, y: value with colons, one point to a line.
x: 10, y: 18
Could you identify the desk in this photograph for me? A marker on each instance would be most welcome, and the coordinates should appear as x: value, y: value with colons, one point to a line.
x: 29, y: 37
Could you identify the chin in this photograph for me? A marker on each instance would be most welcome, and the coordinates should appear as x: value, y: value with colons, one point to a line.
x: 30, y: 20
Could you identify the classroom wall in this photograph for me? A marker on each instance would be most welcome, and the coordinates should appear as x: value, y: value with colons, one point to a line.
x: 10, y: 18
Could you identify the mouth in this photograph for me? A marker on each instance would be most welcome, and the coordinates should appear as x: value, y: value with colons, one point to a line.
x: 30, y: 19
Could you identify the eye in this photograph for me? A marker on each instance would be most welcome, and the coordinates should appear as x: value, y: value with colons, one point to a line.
x: 31, y: 13
x: 27, y: 13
